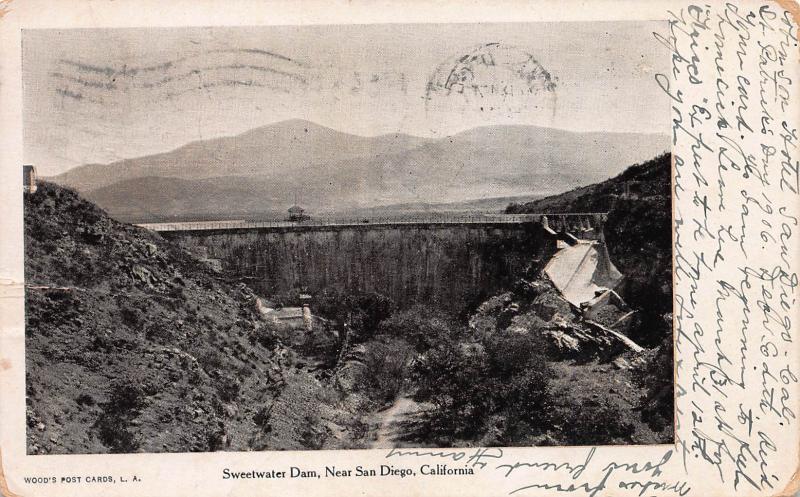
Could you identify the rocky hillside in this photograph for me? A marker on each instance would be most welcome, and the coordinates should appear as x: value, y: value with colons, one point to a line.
x: 134, y: 345
x: 589, y: 366
x: 639, y: 227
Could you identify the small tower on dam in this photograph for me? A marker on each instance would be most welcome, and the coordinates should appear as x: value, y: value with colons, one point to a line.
x: 297, y: 214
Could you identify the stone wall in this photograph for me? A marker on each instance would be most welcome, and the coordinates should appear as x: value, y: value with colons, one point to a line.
x: 450, y: 265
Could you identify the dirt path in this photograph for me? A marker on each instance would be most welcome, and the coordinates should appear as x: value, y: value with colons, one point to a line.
x: 390, y: 422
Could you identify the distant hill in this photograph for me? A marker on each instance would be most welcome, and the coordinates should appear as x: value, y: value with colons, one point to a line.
x: 262, y: 171
x: 154, y: 198
x: 490, y: 204
x: 646, y: 180
x: 271, y: 150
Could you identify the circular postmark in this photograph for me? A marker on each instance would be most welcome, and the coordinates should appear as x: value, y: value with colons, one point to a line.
x: 492, y: 82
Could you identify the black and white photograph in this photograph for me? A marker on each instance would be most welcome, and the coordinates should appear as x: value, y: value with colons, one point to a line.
x: 361, y: 236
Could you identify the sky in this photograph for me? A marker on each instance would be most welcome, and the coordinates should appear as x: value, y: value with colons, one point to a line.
x: 100, y: 95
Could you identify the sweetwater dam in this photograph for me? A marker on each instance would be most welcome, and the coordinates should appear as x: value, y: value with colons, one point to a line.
x: 449, y: 262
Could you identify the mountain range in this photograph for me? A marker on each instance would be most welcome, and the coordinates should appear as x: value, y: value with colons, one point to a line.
x: 265, y: 170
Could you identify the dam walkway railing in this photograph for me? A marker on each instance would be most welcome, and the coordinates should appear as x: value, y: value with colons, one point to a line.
x: 370, y: 221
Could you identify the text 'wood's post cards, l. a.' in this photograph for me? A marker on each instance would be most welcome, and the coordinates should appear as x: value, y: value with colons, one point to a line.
x: 477, y: 248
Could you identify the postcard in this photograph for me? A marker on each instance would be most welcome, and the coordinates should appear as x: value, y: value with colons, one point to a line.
x: 400, y: 248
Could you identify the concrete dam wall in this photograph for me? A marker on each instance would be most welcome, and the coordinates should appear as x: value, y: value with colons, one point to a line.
x: 447, y: 264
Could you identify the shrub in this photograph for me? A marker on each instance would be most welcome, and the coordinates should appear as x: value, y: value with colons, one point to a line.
x: 216, y: 437
x: 497, y: 390
x: 228, y: 388
x: 128, y: 312
x: 210, y: 360
x: 262, y: 417
x: 177, y: 296
x: 126, y: 398
x: 361, y: 312
x: 114, y: 432
x: 424, y: 328
x: 520, y: 369
x: 655, y: 377
x: 385, y: 359
x: 101, y: 343
x: 454, y: 380
x: 311, y: 435
x: 527, y: 396
x: 158, y: 332
x: 322, y: 346
x: 596, y: 422
x: 125, y: 401
x: 54, y: 305
x: 264, y: 336
x: 511, y: 353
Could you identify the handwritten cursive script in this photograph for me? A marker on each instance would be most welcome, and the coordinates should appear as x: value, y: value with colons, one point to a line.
x: 733, y: 94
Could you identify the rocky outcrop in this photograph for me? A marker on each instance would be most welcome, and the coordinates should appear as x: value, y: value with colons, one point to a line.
x: 538, y: 307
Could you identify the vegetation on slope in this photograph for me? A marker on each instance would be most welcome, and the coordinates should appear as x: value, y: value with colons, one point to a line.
x: 638, y: 235
x: 523, y: 371
x: 132, y: 344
